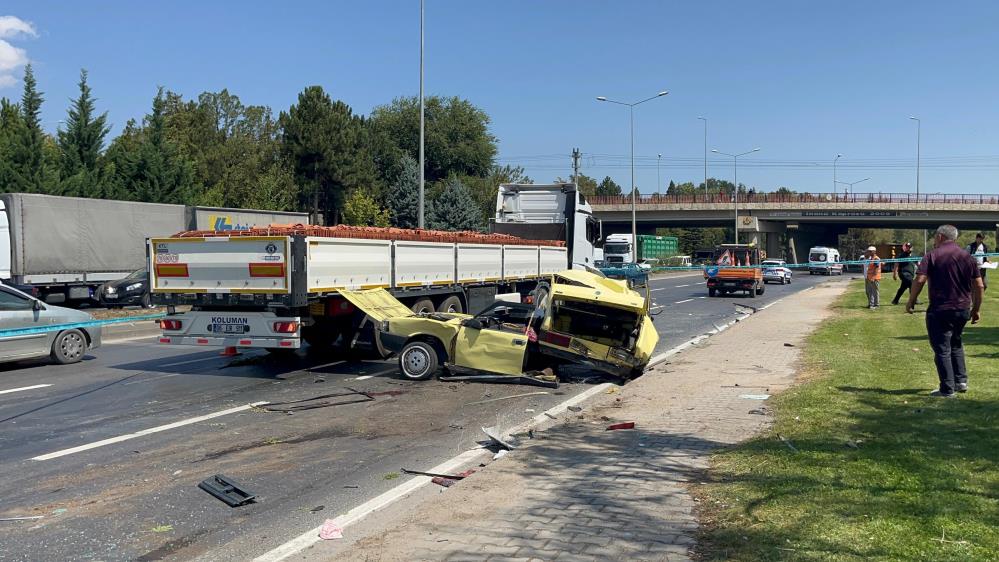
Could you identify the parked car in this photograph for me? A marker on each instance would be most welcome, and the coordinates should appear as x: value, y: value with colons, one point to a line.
x: 583, y: 319
x: 132, y: 290
x: 19, y: 311
x: 633, y: 273
x: 776, y: 271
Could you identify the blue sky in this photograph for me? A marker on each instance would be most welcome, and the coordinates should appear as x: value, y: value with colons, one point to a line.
x: 802, y: 80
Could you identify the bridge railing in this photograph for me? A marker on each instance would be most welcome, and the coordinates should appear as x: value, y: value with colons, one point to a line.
x: 775, y: 197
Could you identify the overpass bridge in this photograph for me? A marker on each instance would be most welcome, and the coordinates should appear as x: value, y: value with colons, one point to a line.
x: 794, y: 222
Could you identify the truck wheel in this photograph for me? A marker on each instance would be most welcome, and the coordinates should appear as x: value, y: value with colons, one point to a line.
x: 451, y: 304
x: 418, y: 361
x: 761, y: 289
x: 147, y: 300
x: 423, y: 305
x: 752, y: 291
x: 69, y: 347
x: 712, y: 292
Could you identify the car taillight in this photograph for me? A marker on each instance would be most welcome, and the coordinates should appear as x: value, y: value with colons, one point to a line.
x: 556, y: 339
x: 170, y: 324
x: 266, y: 269
x: 286, y: 327
x: 171, y: 270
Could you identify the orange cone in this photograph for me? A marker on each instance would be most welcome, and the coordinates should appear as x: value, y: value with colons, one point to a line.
x: 229, y: 352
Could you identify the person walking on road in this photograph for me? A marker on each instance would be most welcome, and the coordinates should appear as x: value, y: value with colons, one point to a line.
x: 979, y: 250
x: 904, y: 270
x: 872, y: 278
x: 956, y: 292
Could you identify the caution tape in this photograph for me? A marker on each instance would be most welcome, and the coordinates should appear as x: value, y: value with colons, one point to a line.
x: 816, y: 264
x: 77, y: 325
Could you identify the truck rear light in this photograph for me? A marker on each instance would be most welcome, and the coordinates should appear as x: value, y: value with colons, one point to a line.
x: 164, y: 340
x: 202, y: 341
x: 245, y: 342
x: 286, y: 327
x: 266, y: 270
x: 170, y: 325
x: 556, y: 339
x: 171, y: 270
x: 285, y: 344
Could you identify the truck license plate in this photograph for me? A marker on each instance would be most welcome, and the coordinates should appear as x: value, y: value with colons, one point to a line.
x: 228, y: 328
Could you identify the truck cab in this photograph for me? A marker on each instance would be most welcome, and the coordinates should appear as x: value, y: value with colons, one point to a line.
x: 619, y: 248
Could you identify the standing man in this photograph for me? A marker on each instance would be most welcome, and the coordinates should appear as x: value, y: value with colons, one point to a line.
x: 904, y: 270
x: 955, y: 287
x: 979, y: 250
x: 872, y: 278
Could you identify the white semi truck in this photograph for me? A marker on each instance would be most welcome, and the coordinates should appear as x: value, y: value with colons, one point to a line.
x: 274, y: 289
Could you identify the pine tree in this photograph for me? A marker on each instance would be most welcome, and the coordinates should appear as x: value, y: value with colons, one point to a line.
x: 404, y: 197
x: 28, y: 152
x: 454, y: 208
x: 81, y: 144
x: 608, y: 187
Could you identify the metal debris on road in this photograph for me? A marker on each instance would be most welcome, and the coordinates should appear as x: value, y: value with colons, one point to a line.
x: 551, y: 416
x: 458, y: 476
x: 574, y: 409
x: 25, y: 518
x: 622, y: 425
x: 494, y: 434
x: 506, y: 397
x: 318, y: 508
x: 227, y: 490
x: 448, y: 481
x: 788, y: 344
x: 330, y: 530
x: 320, y: 401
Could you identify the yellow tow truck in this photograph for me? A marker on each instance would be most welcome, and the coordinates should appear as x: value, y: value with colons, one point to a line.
x: 583, y: 318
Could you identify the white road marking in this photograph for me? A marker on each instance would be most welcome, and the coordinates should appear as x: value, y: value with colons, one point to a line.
x: 702, y: 297
x: 660, y: 289
x: 8, y: 391
x: 678, y: 286
x: 683, y: 301
x: 311, y: 537
x: 144, y: 432
x: 379, y: 374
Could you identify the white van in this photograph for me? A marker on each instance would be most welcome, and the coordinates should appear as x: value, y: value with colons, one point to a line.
x: 824, y: 261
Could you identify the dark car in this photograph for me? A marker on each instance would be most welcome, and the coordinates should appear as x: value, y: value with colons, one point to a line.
x: 132, y: 290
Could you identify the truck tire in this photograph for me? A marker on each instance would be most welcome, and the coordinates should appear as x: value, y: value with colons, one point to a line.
x: 423, y: 305
x: 147, y: 300
x: 320, y: 336
x: 69, y: 347
x: 752, y: 291
x: 451, y: 304
x: 760, y: 289
x: 418, y: 361
x: 712, y: 292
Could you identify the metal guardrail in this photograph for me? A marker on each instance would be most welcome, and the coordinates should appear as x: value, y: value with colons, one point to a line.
x: 777, y: 197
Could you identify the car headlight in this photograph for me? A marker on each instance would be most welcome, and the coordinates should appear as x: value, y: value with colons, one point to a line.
x: 133, y: 287
x: 110, y: 290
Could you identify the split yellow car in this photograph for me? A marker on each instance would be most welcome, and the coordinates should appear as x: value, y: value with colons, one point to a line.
x: 581, y: 318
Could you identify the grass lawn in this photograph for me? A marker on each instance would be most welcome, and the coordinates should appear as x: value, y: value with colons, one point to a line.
x: 881, y: 471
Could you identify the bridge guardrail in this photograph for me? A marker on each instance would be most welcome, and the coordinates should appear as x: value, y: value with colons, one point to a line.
x: 778, y: 197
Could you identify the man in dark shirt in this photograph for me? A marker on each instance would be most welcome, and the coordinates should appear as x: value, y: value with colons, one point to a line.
x: 955, y: 287
x: 904, y: 270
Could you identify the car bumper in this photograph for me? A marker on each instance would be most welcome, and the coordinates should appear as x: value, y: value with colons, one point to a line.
x: 94, y: 335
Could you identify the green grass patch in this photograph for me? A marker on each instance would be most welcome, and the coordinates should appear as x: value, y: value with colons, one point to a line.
x: 882, y: 471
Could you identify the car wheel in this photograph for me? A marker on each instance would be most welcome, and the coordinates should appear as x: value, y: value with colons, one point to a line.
x: 712, y: 292
x: 147, y: 300
x: 69, y: 347
x: 418, y: 361
x: 451, y: 304
x: 423, y: 305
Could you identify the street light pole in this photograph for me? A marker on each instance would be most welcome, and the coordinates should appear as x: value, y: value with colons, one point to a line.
x: 705, y: 157
x: 838, y: 156
x: 634, y: 197
x: 735, y: 191
x: 919, y: 126
x: 420, y: 223
x: 851, y: 184
x: 659, y: 181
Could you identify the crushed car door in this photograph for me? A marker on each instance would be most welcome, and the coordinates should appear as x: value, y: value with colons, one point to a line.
x: 496, y: 347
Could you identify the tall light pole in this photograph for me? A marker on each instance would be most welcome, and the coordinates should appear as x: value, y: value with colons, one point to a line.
x: 422, y: 163
x: 659, y: 181
x: 735, y: 192
x: 919, y: 125
x: 631, y: 117
x: 851, y: 184
x: 705, y: 157
x: 838, y: 156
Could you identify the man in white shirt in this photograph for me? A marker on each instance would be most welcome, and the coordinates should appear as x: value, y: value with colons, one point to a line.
x: 978, y: 249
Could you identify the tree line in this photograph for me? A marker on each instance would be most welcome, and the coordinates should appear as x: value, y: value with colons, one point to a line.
x: 316, y: 156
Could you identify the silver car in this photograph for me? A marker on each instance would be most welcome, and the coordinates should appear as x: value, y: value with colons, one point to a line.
x: 30, y: 329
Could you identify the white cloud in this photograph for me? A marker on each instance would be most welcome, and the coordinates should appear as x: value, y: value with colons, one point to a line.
x: 12, y: 26
x: 11, y: 57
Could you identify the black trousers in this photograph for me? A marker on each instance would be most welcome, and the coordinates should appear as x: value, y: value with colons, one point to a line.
x: 905, y: 285
x: 945, y: 328
x: 985, y: 276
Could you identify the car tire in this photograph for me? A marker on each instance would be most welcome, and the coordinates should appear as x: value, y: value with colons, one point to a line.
x: 451, y: 304
x: 418, y: 361
x: 69, y: 347
x: 147, y: 300
x: 423, y: 305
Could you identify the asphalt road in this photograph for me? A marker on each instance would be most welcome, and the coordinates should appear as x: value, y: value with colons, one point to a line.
x: 136, y: 498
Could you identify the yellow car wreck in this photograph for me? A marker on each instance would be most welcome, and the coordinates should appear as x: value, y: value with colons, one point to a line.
x: 581, y: 318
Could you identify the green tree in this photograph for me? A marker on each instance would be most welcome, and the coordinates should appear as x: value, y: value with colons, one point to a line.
x: 403, y: 198
x: 10, y: 124
x: 148, y: 166
x: 587, y: 185
x: 454, y: 208
x: 327, y: 147
x: 80, y: 146
x: 360, y: 209
x: 457, y: 137
x: 29, y: 171
x: 608, y: 187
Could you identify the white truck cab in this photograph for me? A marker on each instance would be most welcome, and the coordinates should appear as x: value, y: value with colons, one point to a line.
x: 619, y: 248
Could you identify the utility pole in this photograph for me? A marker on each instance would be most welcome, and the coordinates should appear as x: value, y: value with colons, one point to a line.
x: 705, y: 119
x: 919, y: 126
x: 422, y: 163
x: 659, y: 182
x: 575, y: 167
